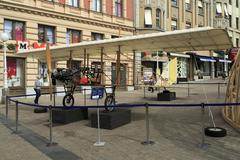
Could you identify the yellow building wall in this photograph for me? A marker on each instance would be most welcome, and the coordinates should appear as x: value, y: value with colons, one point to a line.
x: 172, y: 71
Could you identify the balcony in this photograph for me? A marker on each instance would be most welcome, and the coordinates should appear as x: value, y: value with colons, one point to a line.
x: 220, y: 23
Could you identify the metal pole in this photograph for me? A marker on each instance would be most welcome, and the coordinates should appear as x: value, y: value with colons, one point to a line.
x: 16, y: 131
x: 147, y: 127
x: 188, y: 89
x: 51, y: 143
x: 54, y: 98
x: 203, y: 145
x: 144, y: 94
x: 99, y: 143
x: 84, y: 96
x: 6, y: 107
x: 218, y: 90
x: 5, y: 83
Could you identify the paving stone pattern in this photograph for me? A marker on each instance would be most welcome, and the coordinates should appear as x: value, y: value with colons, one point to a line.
x: 175, y: 131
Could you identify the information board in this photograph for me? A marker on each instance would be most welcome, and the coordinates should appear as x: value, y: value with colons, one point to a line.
x: 97, y: 93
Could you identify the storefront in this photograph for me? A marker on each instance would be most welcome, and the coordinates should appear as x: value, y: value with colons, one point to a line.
x: 182, y: 66
x: 203, y: 66
x: 16, y: 75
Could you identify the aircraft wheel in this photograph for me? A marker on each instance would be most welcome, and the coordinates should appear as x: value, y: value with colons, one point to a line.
x: 109, y: 101
x: 68, y: 100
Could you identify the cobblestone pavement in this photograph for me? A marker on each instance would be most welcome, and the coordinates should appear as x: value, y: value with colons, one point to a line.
x: 175, y: 131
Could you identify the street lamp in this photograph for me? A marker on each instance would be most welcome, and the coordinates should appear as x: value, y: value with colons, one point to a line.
x: 4, y: 38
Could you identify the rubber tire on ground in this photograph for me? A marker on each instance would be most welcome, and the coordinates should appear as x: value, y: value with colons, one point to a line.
x: 109, y: 101
x: 215, y: 132
x: 68, y: 100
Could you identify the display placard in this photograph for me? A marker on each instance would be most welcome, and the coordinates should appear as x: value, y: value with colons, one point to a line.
x: 97, y: 93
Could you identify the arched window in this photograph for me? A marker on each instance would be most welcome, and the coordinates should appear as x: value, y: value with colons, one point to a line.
x: 158, y: 18
x: 148, y: 18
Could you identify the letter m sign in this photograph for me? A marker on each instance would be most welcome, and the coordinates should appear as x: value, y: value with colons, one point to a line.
x: 22, y: 46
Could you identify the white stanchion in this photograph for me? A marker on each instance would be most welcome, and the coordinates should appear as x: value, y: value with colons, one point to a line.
x: 99, y: 143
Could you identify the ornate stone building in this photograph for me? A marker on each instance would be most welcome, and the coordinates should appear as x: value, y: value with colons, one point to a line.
x: 61, y: 22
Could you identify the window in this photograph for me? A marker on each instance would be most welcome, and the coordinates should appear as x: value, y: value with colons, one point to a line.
x: 46, y: 34
x: 148, y: 2
x: 97, y: 5
x: 97, y: 36
x: 15, y: 29
x: 188, y: 25
x: 73, y: 3
x: 200, y: 7
x: 158, y: 3
x: 43, y: 73
x: 174, y: 24
x: 118, y: 8
x: 237, y: 42
x: 15, y: 72
x: 237, y: 22
x: 188, y: 5
x: 158, y: 15
x: 114, y: 36
x: 174, y: 3
x: 218, y: 9
x: 230, y: 20
x: 148, y: 18
x: 73, y: 36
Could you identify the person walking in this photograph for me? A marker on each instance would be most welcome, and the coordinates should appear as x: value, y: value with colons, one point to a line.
x: 37, y: 89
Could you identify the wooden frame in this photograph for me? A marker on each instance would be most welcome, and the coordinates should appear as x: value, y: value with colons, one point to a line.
x: 232, y: 113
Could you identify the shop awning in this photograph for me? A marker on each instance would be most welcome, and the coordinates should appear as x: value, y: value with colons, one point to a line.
x: 200, y: 3
x: 219, y: 8
x: 179, y: 55
x: 194, y: 39
x: 225, y: 61
x: 230, y: 9
x: 206, y: 59
x: 225, y: 9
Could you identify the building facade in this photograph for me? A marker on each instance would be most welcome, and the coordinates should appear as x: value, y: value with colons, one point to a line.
x: 233, y: 8
x: 60, y: 22
x: 161, y: 15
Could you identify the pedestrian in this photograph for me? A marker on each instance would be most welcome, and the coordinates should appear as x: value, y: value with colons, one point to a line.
x: 37, y: 89
x: 151, y: 84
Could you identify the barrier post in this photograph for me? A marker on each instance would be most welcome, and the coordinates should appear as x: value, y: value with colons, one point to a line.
x: 84, y: 92
x: 54, y: 98
x: 144, y: 92
x: 16, y: 118
x: 98, y: 143
x: 6, y: 107
x: 218, y: 90
x: 188, y: 89
x: 147, y: 127
x: 51, y: 143
x: 203, y: 145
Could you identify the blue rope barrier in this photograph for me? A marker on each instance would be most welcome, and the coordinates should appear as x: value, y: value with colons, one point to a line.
x: 202, y: 83
x: 124, y: 105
